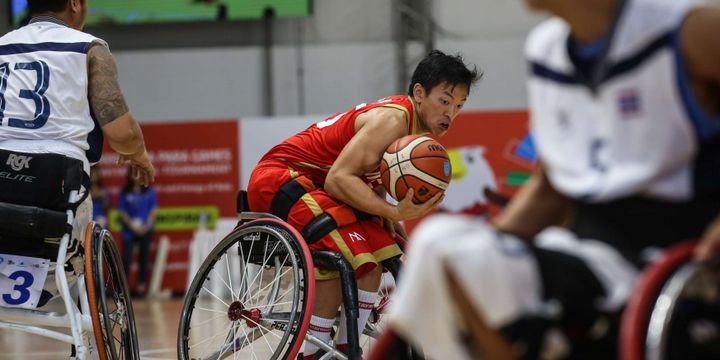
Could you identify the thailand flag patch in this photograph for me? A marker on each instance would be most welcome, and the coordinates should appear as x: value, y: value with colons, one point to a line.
x: 629, y: 103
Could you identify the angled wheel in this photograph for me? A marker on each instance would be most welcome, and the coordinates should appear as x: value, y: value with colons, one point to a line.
x: 251, y: 298
x: 109, y: 298
x: 674, y: 311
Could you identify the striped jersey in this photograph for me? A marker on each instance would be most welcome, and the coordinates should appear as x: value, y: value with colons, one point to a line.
x: 44, y: 106
x: 635, y: 130
x: 315, y: 149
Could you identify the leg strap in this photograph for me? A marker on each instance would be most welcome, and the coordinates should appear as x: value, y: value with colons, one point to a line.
x: 288, y: 194
x: 291, y: 192
x: 330, y: 220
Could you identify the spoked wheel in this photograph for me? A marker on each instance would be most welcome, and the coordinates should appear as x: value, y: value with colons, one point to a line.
x: 109, y: 297
x: 251, y: 298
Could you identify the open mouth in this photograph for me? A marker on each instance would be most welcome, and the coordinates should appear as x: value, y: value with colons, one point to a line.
x: 444, y: 126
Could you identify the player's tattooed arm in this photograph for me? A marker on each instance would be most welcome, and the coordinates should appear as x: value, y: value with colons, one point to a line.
x: 106, y: 98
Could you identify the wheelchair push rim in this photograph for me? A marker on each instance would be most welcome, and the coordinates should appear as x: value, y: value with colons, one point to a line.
x: 109, y: 297
x: 252, y: 295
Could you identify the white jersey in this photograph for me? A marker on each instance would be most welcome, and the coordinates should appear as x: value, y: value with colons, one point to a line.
x: 641, y: 132
x: 44, y: 106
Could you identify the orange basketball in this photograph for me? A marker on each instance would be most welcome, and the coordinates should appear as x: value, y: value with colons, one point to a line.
x: 418, y: 162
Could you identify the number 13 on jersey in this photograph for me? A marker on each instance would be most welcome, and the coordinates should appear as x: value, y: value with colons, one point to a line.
x: 36, y: 92
x: 21, y: 280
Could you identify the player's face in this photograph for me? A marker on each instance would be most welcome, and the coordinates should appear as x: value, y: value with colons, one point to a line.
x: 439, y: 107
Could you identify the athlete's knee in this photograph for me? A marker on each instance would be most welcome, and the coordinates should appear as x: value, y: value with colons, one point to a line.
x: 499, y: 271
x: 372, y: 274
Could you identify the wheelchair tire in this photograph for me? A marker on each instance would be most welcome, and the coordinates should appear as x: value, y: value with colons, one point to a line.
x: 109, y: 297
x: 252, y: 296
x: 637, y: 314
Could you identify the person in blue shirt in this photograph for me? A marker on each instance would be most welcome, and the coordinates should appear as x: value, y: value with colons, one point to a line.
x: 138, y: 208
x: 100, y: 198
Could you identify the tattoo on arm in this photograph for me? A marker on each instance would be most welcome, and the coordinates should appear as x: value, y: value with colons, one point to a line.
x: 106, y: 98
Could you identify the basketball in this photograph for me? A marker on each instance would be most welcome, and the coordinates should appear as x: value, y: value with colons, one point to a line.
x: 418, y: 162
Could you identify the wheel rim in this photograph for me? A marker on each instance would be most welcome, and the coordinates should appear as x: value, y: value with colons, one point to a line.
x: 248, y: 298
x: 109, y: 296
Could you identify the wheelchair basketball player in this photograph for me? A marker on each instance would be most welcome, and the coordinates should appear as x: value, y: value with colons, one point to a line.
x: 624, y: 99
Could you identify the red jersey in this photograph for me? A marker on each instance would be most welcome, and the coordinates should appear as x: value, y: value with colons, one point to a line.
x: 315, y: 149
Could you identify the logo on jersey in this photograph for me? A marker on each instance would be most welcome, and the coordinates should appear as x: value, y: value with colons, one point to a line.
x: 629, y: 103
x: 356, y: 237
x: 18, y: 162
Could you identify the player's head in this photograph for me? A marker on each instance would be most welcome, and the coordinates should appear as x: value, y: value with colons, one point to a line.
x: 74, y: 12
x: 440, y: 86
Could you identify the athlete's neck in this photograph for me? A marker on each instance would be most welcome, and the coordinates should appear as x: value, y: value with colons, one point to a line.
x: 589, y: 21
x: 416, y: 125
x: 49, y: 17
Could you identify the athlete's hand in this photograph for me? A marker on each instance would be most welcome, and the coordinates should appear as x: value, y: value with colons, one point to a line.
x: 406, y: 209
x: 709, y: 247
x: 142, y: 168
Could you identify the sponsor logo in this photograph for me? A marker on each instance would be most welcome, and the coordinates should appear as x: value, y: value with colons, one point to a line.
x: 18, y: 162
x: 446, y: 168
x: 278, y: 326
x: 252, y: 237
x: 356, y: 237
x: 16, y: 177
x: 2, y: 259
x: 435, y: 147
x: 629, y: 103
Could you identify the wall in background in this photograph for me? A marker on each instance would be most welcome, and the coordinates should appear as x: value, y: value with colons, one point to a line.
x: 227, y: 82
x: 341, y: 55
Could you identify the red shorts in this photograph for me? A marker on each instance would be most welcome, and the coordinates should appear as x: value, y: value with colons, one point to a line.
x: 364, y: 243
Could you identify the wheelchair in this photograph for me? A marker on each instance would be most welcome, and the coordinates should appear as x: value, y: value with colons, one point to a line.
x: 674, y: 313
x: 91, y: 308
x: 253, y: 295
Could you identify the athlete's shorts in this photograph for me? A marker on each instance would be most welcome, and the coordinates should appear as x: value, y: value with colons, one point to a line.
x: 364, y: 243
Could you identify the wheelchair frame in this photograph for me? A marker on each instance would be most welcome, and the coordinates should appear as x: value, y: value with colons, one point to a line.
x: 325, y: 259
x: 82, y: 320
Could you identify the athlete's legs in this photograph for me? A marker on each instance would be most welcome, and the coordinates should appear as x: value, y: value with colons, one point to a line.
x: 489, y: 342
x: 326, y: 305
x: 464, y: 278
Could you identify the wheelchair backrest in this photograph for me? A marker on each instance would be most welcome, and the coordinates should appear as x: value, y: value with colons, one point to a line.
x: 241, y: 202
x: 40, y: 180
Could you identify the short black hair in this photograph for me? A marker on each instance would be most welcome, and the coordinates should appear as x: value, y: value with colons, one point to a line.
x: 438, y: 67
x: 43, y: 6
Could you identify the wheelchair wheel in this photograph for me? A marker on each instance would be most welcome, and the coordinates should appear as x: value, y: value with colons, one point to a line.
x: 109, y: 298
x: 675, y: 311
x: 251, y: 298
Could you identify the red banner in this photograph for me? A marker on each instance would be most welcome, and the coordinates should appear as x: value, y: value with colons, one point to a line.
x: 197, y: 178
x: 491, y: 156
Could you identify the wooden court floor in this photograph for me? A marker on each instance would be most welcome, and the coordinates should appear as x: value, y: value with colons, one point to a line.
x: 157, y: 323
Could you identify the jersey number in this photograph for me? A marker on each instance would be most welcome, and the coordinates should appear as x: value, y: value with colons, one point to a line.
x: 22, y: 288
x: 337, y: 117
x: 42, y: 105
